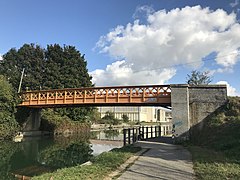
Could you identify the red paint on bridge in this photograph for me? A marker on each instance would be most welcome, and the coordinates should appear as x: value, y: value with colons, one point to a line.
x: 150, y: 95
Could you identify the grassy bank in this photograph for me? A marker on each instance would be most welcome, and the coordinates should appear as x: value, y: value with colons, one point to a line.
x: 216, y: 153
x: 101, y: 166
x: 210, y: 164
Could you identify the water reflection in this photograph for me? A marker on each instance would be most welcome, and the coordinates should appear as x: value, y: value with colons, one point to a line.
x: 59, y: 156
x: 7, y: 149
x: 106, y: 140
x: 34, y: 156
x: 109, y: 134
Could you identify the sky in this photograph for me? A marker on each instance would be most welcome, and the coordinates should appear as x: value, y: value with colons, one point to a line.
x: 135, y: 42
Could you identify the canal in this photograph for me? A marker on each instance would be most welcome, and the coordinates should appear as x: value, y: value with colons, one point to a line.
x: 34, y: 156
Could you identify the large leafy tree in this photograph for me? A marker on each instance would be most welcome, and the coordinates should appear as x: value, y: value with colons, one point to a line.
x: 198, y: 78
x: 28, y: 57
x: 65, y: 68
x: 8, y: 124
x: 51, y: 68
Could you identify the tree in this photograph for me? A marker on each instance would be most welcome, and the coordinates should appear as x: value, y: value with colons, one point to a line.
x: 108, y: 115
x: 55, y: 67
x: 94, y: 116
x: 65, y: 68
x: 51, y: 68
x: 8, y: 124
x: 31, y: 58
x: 198, y: 78
x: 125, y: 118
x: 110, y: 118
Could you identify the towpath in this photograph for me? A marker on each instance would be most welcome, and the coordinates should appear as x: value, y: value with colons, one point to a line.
x: 161, y: 161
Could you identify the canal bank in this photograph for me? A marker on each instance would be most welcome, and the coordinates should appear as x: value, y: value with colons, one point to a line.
x: 43, y: 154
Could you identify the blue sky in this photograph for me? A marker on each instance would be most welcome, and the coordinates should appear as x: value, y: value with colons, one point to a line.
x: 133, y: 42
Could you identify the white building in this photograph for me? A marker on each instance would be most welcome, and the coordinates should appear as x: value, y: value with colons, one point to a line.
x: 143, y: 114
x: 138, y: 114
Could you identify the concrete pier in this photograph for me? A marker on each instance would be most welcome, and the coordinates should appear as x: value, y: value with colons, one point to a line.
x: 191, y: 105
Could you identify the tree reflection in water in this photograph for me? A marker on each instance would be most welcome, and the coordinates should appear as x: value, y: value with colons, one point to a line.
x: 111, y: 134
x: 36, y: 156
x: 107, y: 134
x: 60, y: 156
x: 7, y: 149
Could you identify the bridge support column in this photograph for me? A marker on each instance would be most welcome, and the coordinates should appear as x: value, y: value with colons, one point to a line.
x: 34, y: 120
x: 180, y: 111
x: 203, y: 101
x: 192, y: 105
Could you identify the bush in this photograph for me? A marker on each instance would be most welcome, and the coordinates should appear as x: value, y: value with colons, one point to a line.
x: 8, y: 124
x: 52, y: 121
x: 110, y: 119
x: 7, y: 150
x: 125, y: 118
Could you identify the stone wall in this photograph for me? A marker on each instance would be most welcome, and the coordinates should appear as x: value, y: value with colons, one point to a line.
x: 33, y: 121
x: 203, y: 101
x: 192, y: 104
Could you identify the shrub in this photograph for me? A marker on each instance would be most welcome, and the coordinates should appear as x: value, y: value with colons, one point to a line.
x: 8, y: 124
x: 52, y: 121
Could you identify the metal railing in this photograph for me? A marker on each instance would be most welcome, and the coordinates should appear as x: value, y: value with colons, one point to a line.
x: 132, y: 135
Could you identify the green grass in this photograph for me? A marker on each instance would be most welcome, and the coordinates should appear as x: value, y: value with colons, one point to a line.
x: 209, y: 164
x: 102, y: 165
x: 216, y: 150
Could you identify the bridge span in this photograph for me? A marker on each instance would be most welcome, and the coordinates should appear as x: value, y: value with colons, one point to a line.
x: 150, y: 95
x: 191, y: 105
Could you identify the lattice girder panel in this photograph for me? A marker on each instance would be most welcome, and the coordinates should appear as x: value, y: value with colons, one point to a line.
x: 42, y: 96
x: 79, y: 93
x: 89, y: 93
x: 112, y: 92
x: 34, y: 96
x: 60, y: 94
x: 101, y: 92
x: 98, y: 95
x: 69, y: 94
x: 51, y: 95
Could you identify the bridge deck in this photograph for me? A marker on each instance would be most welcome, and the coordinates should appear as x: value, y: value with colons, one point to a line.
x: 158, y: 95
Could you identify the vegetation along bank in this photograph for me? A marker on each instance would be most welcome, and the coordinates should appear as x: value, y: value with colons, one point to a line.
x: 216, y: 150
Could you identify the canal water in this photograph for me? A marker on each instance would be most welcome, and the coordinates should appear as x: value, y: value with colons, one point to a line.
x: 34, y: 156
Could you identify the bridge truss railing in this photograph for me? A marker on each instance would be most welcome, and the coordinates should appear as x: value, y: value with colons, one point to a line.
x: 98, y: 95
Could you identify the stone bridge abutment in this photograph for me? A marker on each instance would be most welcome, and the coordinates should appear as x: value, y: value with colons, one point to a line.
x: 192, y: 104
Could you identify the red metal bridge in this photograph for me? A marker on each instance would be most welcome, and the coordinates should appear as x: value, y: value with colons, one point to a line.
x: 150, y: 95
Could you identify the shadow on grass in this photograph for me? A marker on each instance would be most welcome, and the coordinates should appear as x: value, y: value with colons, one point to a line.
x: 209, y: 164
x: 215, y: 143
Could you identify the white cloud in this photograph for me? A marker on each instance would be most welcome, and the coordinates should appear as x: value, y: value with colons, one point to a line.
x: 145, y: 10
x: 121, y: 73
x: 1, y: 58
x: 231, y: 91
x: 234, y: 4
x: 180, y: 36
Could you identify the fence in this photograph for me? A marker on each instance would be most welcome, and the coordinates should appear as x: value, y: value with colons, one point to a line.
x: 132, y: 135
